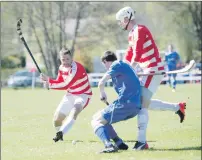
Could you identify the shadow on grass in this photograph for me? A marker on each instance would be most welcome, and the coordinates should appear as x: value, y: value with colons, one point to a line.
x: 134, y: 141
x: 92, y: 141
x: 177, y: 149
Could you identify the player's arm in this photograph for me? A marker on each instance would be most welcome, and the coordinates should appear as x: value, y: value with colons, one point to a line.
x: 137, y: 47
x: 63, y: 84
x: 178, y: 57
x: 59, y: 78
x: 101, y: 86
x: 47, y: 80
x: 178, y: 61
x: 128, y: 55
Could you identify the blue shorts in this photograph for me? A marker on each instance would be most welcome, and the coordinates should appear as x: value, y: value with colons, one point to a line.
x: 119, y: 111
x: 172, y: 68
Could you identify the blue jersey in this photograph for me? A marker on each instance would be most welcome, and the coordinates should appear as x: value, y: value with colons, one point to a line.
x: 125, y: 81
x: 172, y: 60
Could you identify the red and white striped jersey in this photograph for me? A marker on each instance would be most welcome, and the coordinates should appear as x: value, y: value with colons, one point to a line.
x: 142, y: 49
x: 73, y: 79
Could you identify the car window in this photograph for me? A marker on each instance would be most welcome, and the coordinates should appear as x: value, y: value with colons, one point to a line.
x: 23, y: 73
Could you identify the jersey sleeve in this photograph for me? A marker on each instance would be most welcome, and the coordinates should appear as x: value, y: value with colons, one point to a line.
x: 114, y: 69
x: 59, y: 78
x: 137, y: 46
x: 65, y: 83
x: 129, y: 54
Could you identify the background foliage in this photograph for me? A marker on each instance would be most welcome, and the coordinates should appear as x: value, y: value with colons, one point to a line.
x: 90, y: 28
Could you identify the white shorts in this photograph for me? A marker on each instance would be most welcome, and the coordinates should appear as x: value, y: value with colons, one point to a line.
x: 149, y: 85
x: 151, y: 82
x: 69, y: 100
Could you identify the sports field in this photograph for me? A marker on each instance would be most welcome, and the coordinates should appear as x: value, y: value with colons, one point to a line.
x: 27, y: 130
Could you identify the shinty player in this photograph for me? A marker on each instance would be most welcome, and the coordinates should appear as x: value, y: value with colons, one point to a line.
x: 73, y: 78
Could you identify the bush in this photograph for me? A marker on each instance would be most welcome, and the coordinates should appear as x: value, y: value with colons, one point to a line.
x: 85, y: 60
x: 13, y: 62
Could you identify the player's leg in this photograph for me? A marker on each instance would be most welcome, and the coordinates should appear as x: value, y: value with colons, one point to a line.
x: 156, y: 104
x: 79, y: 103
x: 117, y: 140
x: 62, y: 111
x: 174, y: 82
x: 99, y: 124
x: 169, y: 80
x: 178, y: 108
x: 163, y: 105
x: 113, y: 113
x: 142, y: 121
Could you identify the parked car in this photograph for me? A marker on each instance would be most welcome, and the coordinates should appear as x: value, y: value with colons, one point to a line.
x: 24, y: 78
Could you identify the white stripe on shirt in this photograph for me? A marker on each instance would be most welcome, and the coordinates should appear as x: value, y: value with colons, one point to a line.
x: 149, y: 53
x: 146, y: 44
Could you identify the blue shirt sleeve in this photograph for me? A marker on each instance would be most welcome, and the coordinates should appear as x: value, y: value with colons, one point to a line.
x: 114, y: 69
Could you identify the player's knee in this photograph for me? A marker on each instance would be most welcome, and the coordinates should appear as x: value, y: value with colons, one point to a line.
x: 145, y: 103
x: 57, y: 122
x: 58, y: 118
x: 78, y: 107
x: 97, y: 121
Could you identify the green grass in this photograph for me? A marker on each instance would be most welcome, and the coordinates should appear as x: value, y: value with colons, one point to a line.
x: 27, y: 131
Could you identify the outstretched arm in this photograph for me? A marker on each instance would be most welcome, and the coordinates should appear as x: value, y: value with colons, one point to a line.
x: 101, y: 86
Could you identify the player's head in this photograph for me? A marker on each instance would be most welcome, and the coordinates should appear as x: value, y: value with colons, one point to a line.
x: 124, y: 16
x: 65, y: 57
x: 108, y: 58
x: 170, y: 47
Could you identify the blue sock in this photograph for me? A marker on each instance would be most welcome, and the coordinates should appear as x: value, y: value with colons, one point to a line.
x: 102, y: 133
x: 174, y: 84
x: 113, y: 135
x: 111, y: 131
x: 169, y: 81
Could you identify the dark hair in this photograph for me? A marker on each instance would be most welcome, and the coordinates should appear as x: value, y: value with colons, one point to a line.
x: 65, y: 51
x: 109, y: 56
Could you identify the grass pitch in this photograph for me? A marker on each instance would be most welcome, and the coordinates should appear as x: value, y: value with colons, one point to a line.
x: 27, y: 131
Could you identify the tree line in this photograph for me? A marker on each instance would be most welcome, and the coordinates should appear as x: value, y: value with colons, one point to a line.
x: 90, y: 28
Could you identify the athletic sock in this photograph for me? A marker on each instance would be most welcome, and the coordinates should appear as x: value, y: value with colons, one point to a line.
x: 67, y: 125
x: 143, y: 118
x: 101, y: 132
x: 113, y: 135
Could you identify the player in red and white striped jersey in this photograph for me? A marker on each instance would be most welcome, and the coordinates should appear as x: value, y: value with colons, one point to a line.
x: 73, y: 78
x: 143, y: 51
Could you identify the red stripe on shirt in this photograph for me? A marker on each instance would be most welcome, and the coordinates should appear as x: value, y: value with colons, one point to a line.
x: 148, y: 81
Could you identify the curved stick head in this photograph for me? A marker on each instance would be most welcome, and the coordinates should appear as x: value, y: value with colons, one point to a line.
x: 19, y: 22
x: 192, y: 62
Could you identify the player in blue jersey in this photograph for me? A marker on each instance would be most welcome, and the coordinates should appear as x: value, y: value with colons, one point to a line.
x: 172, y: 59
x: 126, y: 106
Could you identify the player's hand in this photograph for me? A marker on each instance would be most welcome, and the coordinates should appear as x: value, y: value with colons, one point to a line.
x: 43, y: 77
x: 103, y: 96
x: 46, y: 84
